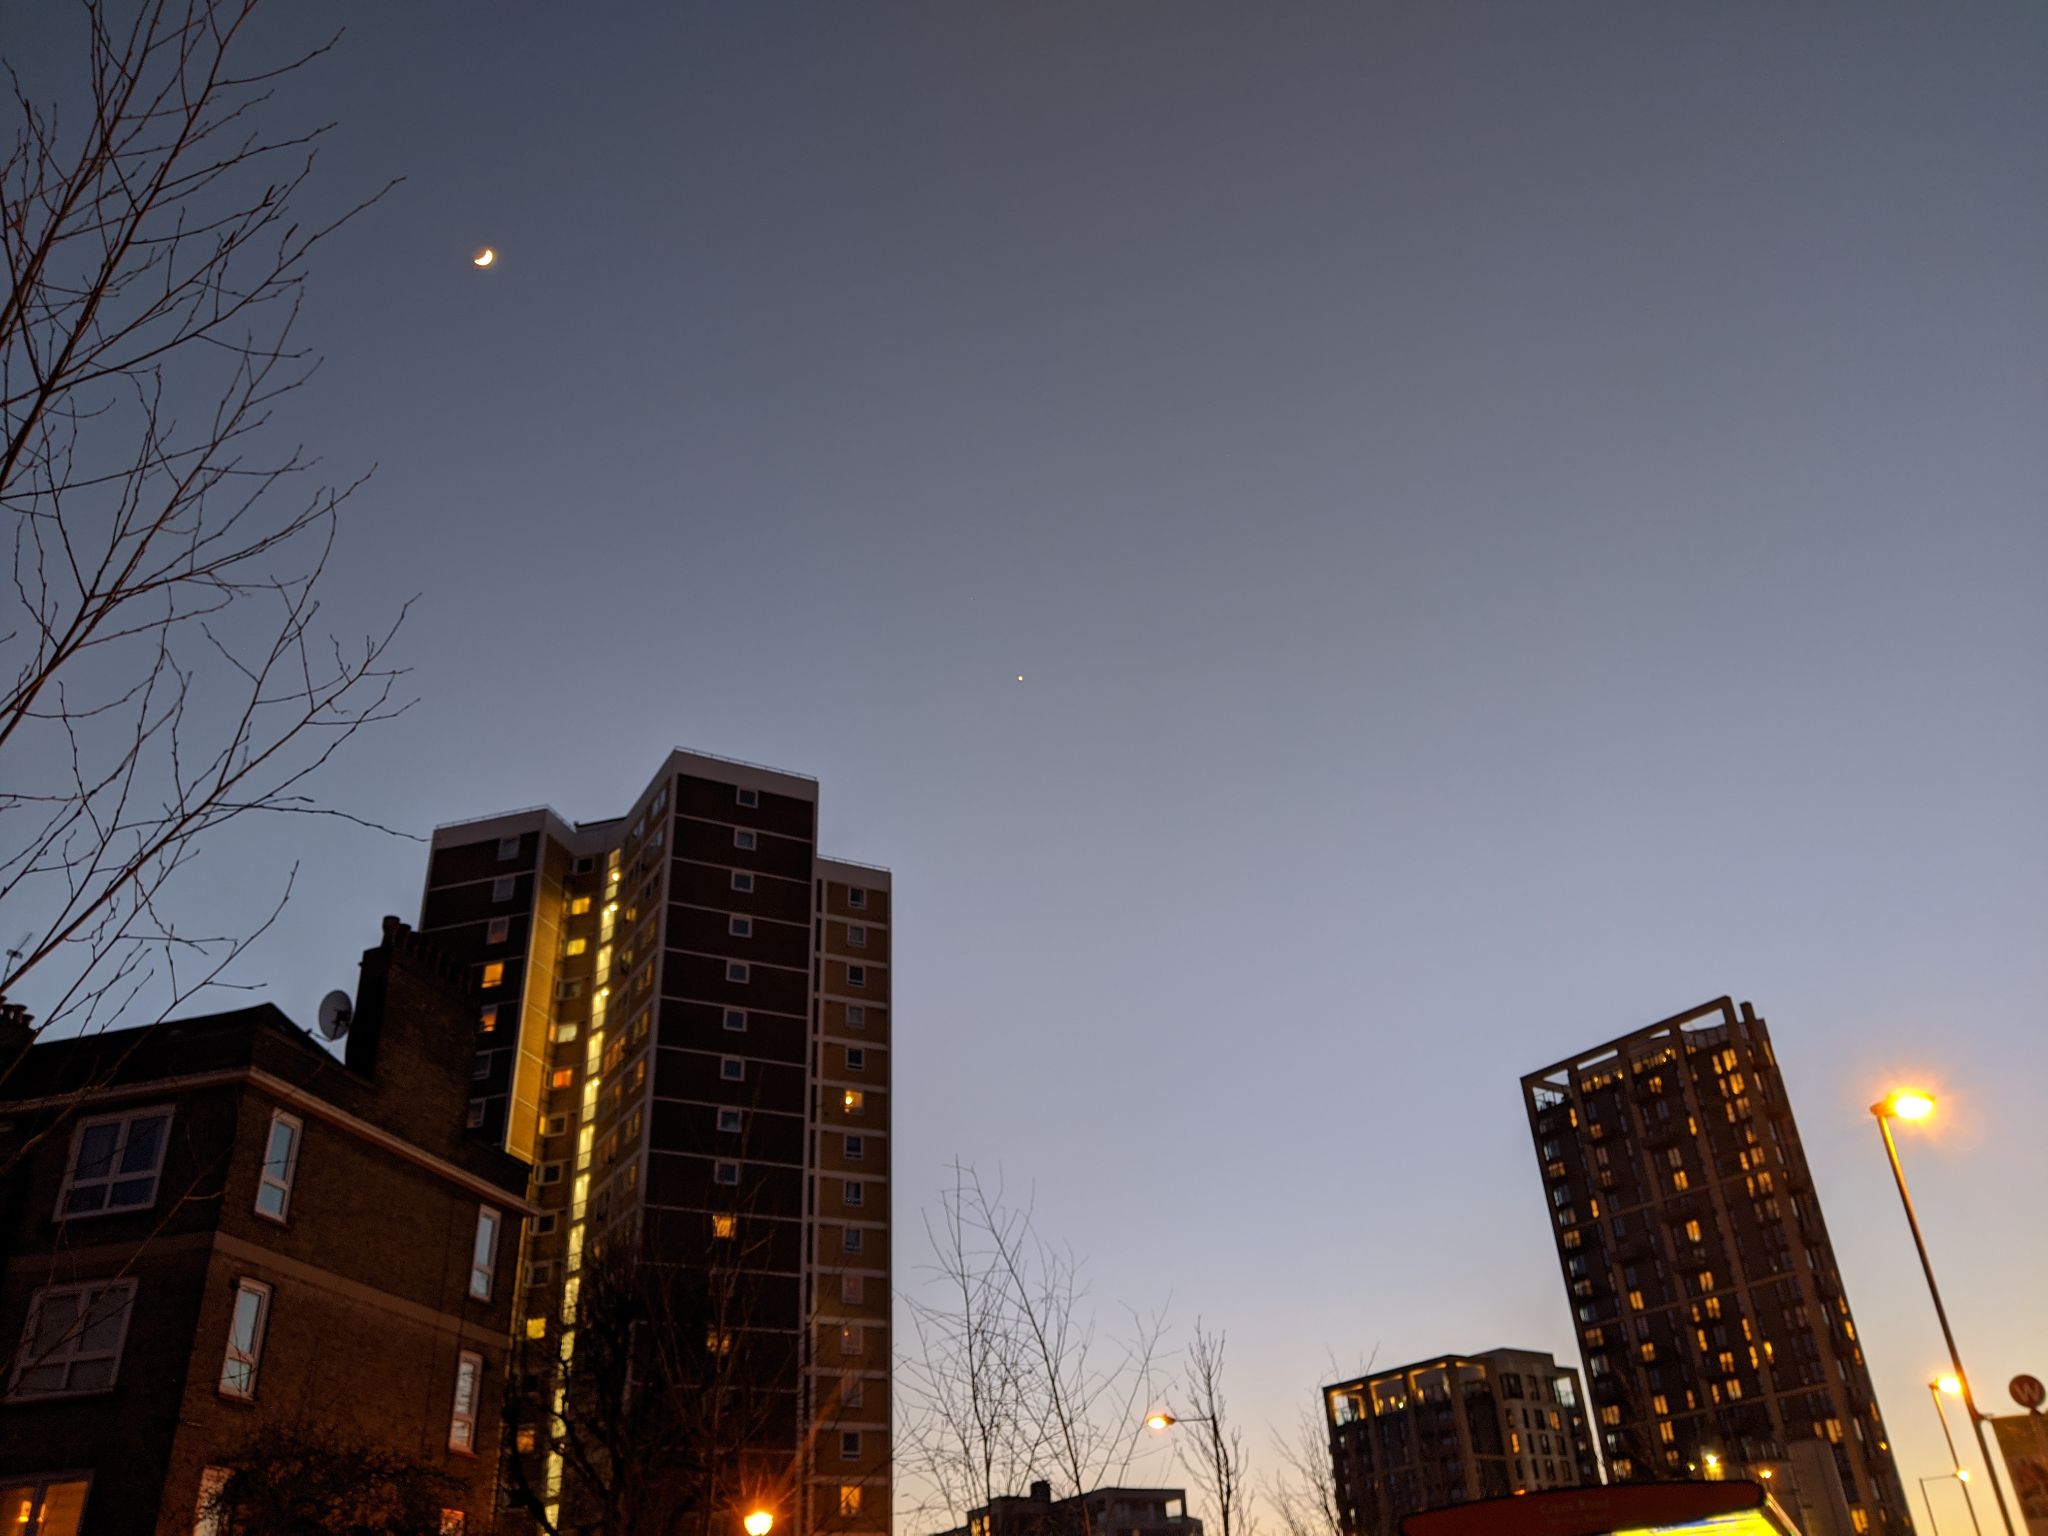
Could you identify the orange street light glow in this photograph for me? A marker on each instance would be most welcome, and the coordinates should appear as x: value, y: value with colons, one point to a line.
x: 759, y: 1523
x: 1159, y: 1421
x: 1949, y: 1386
x: 1909, y: 1104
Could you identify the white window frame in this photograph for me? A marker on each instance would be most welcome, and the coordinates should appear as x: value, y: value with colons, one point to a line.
x: 739, y: 927
x: 555, y: 1125
x: 743, y: 880
x: 852, y: 1240
x: 736, y: 1020
x: 66, y: 1352
x: 549, y: 1172
x: 498, y: 931
x: 857, y: 897
x: 750, y: 798
x: 856, y: 1015
x: 126, y: 1120
x: 738, y: 972
x: 730, y: 1122
x: 282, y: 1183
x: 483, y: 1252
x: 853, y: 1339
x: 856, y: 976
x: 856, y: 1058
x: 503, y: 889
x: 508, y: 848
x: 743, y: 838
x: 852, y: 1192
x: 732, y: 1069
x: 854, y: 1147
x: 853, y: 1290
x: 849, y: 1445
x: 856, y: 936
x: 252, y: 1357
x: 462, y: 1422
x: 726, y: 1173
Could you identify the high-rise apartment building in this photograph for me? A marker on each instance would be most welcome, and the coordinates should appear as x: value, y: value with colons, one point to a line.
x: 685, y: 1026
x: 1716, y: 1333
x: 1454, y: 1430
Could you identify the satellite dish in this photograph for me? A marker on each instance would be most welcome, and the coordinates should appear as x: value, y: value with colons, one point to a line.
x: 336, y: 1010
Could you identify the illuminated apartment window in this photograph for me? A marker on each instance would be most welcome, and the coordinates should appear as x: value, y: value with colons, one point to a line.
x: 854, y: 1101
x: 852, y: 1339
x: 723, y: 1226
x: 280, y: 1162
x: 1679, y: 1181
x: 579, y: 905
x: 494, y: 974
x: 469, y: 1371
x: 736, y: 1019
x: 36, y: 1506
x: 487, y: 1021
x: 743, y: 839
x: 742, y: 881
x: 503, y: 887
x: 562, y: 1077
x: 245, y: 1339
x: 849, y: 1498
x: 575, y: 946
x: 499, y: 931
x: 740, y: 927
x: 856, y: 897
x: 453, y: 1522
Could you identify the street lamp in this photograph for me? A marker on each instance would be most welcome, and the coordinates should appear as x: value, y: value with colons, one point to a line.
x: 759, y: 1523
x: 1961, y: 1475
x: 1952, y: 1386
x: 1158, y: 1423
x: 1912, y: 1104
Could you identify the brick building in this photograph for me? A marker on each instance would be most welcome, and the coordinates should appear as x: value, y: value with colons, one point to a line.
x: 683, y: 1021
x: 1454, y: 1430
x: 214, y: 1226
x: 1102, y: 1512
x: 1714, y: 1322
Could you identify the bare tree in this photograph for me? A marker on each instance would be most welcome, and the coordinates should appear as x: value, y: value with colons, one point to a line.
x: 163, y: 670
x: 1010, y: 1379
x: 1303, y: 1488
x: 1215, y: 1453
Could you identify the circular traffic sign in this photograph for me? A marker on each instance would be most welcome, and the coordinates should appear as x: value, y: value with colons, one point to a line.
x: 2027, y: 1391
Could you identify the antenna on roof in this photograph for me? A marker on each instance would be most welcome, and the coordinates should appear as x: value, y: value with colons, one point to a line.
x: 336, y: 1009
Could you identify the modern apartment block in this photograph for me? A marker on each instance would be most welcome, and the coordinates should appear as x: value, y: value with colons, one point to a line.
x: 1716, y: 1332
x: 685, y: 1026
x: 212, y: 1230
x: 1454, y: 1430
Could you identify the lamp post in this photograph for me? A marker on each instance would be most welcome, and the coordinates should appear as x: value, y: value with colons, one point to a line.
x: 1953, y: 1386
x: 1928, y: 1498
x: 759, y: 1522
x: 1908, y: 1104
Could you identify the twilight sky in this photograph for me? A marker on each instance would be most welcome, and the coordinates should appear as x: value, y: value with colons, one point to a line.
x: 1515, y: 521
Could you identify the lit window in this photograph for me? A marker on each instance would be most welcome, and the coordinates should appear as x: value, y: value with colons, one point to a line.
x: 494, y: 974
x: 728, y: 1120
x: 1679, y: 1181
x: 718, y: 1341
x: 852, y: 1240
x: 452, y: 1522
x: 856, y: 1016
x: 742, y: 881
x: 207, y: 1517
x: 856, y: 897
x: 487, y: 1021
x: 562, y: 1077
x: 856, y: 936
x: 736, y: 970
x: 740, y: 927
x: 483, y: 1258
x: 499, y: 931
x: 47, y: 1508
x: 856, y: 1149
x: 849, y: 1445
x: 723, y: 1226
x: 579, y: 905
x: 849, y: 1499
x: 856, y: 1058
x: 736, y: 1019
x: 747, y: 797
x: 852, y: 1192
x: 727, y: 1173
x: 469, y: 1370
x: 72, y: 1342
x: 732, y: 1069
x: 743, y: 839
x: 856, y: 975
x: 245, y: 1339
x: 1692, y: 1231
x: 536, y: 1327
x: 280, y: 1162
x: 575, y: 946
x: 852, y: 1339
x: 503, y: 887
x: 855, y: 1102
x: 115, y: 1163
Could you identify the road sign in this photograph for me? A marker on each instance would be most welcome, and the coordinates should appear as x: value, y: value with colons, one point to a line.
x: 2028, y: 1392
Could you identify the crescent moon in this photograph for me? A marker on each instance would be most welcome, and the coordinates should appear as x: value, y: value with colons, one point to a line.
x: 484, y: 257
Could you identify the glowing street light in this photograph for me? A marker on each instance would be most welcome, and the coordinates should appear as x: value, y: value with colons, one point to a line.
x: 1913, y: 1104
x: 1159, y: 1421
x: 759, y: 1523
x: 1952, y: 1386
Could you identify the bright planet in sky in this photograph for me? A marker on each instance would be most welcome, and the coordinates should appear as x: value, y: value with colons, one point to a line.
x: 484, y: 257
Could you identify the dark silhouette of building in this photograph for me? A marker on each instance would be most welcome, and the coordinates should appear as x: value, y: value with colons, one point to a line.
x: 1716, y: 1332
x: 685, y: 1025
x: 1453, y: 1430
x: 1105, y: 1512
x: 213, y: 1227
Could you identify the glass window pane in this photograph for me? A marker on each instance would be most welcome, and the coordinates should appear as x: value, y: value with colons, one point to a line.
x: 486, y: 1238
x: 91, y: 1198
x: 54, y: 1321
x: 96, y: 1151
x: 279, y: 1156
x: 92, y: 1376
x: 145, y: 1144
x: 247, y: 1305
x: 103, y: 1327
x: 63, y: 1503
x: 131, y: 1191
x: 270, y: 1199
